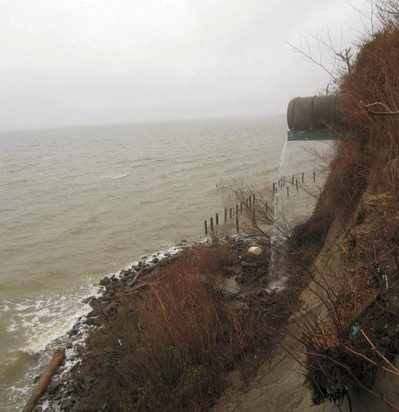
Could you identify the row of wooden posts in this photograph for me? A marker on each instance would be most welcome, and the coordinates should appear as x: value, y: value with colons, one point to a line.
x: 284, y: 181
x: 250, y: 201
x: 228, y: 214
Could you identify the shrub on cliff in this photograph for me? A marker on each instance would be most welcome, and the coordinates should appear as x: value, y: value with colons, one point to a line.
x: 360, y: 330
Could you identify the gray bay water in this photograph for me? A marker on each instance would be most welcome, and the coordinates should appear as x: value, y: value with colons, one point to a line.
x: 79, y: 203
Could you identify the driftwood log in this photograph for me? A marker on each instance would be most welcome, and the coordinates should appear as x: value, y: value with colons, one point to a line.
x: 44, y: 381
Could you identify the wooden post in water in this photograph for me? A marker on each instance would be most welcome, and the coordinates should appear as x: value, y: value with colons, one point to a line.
x: 303, y: 177
x: 274, y: 187
x: 237, y: 224
x: 236, y: 209
x: 217, y: 218
x: 231, y: 213
x: 288, y: 191
x: 211, y: 221
x: 314, y: 176
x: 206, y: 227
x: 292, y: 180
x: 296, y: 182
x: 225, y: 214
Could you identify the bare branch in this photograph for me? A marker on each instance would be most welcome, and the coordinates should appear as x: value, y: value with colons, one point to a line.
x: 386, y: 112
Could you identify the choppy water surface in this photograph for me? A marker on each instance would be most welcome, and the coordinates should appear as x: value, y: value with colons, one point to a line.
x: 79, y: 203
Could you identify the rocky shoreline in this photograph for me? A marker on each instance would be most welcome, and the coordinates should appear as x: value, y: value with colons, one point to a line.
x: 62, y: 393
x: 70, y: 387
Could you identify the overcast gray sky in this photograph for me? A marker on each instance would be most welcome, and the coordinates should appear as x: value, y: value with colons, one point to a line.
x: 76, y: 62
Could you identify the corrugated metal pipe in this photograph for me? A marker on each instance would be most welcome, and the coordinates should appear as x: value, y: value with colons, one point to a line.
x: 316, y: 112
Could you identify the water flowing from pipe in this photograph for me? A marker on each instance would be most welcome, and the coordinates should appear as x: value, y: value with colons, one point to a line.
x: 278, y: 239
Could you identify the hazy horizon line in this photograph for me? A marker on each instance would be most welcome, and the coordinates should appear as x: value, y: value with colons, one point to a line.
x: 126, y: 123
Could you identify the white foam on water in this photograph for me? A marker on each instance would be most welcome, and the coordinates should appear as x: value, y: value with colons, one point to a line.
x: 45, y: 318
x: 42, y: 325
x: 149, y: 259
x: 4, y: 306
x: 45, y: 322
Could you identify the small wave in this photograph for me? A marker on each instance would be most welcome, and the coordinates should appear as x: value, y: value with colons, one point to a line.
x: 85, y: 224
x: 152, y: 258
x: 145, y: 202
x: 114, y: 176
x: 6, y: 210
x: 15, y: 361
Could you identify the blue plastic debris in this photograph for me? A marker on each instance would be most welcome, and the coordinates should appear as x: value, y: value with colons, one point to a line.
x: 355, y: 329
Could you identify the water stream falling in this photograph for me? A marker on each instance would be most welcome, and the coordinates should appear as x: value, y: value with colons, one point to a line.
x: 278, y: 239
x: 299, y: 181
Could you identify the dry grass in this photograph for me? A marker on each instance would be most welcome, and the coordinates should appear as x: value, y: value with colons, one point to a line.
x: 171, y: 347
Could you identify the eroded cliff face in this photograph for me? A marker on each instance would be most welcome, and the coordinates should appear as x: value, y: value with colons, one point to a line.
x: 352, y: 303
x: 341, y: 293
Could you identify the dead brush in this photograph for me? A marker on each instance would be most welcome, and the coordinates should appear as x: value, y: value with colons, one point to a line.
x: 346, y: 182
x: 172, y: 346
x: 182, y: 315
x: 340, y: 354
x: 334, y: 365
